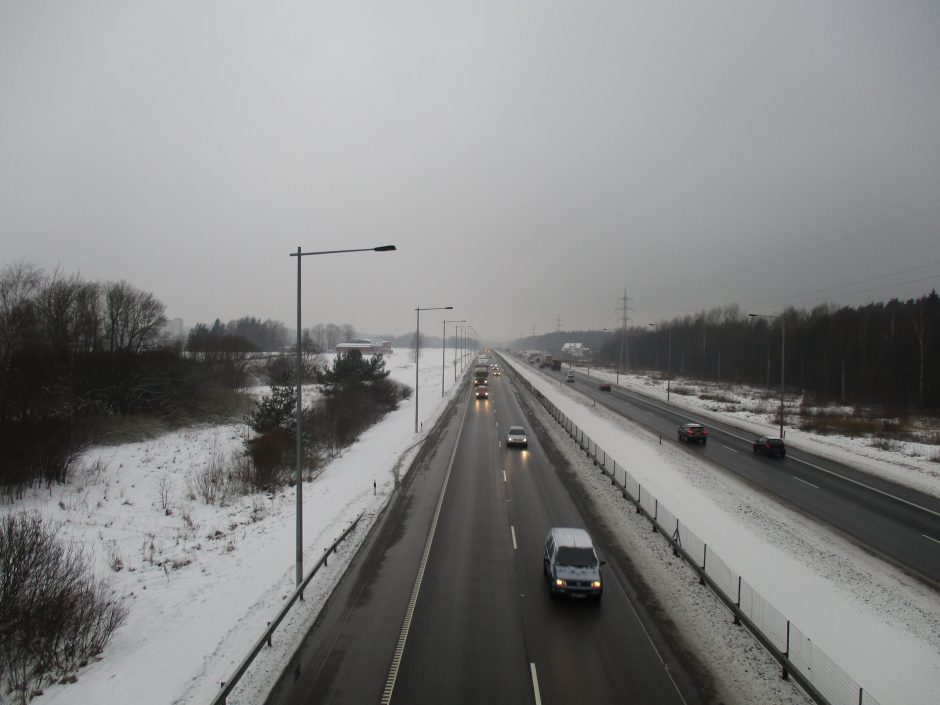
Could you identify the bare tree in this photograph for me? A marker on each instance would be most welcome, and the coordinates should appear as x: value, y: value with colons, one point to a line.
x: 133, y: 318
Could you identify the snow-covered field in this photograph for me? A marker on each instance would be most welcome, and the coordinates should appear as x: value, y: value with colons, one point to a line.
x: 202, y: 581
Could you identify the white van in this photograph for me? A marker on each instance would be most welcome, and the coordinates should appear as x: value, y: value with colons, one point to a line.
x: 571, y: 564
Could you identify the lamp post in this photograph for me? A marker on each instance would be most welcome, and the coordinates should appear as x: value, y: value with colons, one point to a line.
x: 444, y: 351
x: 668, y: 360
x: 418, y: 311
x: 299, y: 559
x: 783, y: 348
x: 458, y: 335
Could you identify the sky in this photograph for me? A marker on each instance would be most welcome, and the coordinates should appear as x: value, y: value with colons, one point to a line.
x: 531, y: 161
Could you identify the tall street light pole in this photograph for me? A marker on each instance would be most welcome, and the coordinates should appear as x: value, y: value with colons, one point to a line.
x: 783, y: 349
x: 458, y: 337
x: 299, y: 558
x: 668, y: 360
x: 418, y: 311
x: 444, y: 352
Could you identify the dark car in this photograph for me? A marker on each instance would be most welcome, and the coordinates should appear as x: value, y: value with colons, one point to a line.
x: 693, y: 433
x: 483, y: 392
x: 766, y: 445
x: 604, y: 386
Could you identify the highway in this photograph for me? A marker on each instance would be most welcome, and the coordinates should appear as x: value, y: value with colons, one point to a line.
x: 447, y: 603
x: 891, y: 521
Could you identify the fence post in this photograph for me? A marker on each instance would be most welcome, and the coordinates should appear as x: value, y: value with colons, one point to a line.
x: 785, y: 674
x: 677, y: 537
x: 737, y: 619
x: 701, y: 580
x: 655, y: 513
x: 269, y: 636
x: 639, y: 495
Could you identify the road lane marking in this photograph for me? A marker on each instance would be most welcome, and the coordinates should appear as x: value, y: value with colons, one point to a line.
x: 931, y: 538
x: 409, y: 613
x: 868, y: 487
x: 504, y: 476
x: 733, y: 450
x: 515, y: 547
x: 805, y: 482
x: 535, y: 685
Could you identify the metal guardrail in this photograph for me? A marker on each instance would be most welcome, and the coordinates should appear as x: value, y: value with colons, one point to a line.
x: 822, y: 679
x: 265, y: 640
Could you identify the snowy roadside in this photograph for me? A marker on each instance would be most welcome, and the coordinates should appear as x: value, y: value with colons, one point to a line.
x: 881, y: 626
x: 202, y: 581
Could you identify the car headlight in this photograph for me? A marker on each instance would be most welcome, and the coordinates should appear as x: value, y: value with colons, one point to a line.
x: 560, y: 583
x: 596, y: 584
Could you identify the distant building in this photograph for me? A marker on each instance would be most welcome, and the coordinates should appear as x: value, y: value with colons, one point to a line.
x: 574, y: 350
x: 366, y: 347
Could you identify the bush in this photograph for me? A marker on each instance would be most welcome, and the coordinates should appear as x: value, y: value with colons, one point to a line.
x: 54, y: 614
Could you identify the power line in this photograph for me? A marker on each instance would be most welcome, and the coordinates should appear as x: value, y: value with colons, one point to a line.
x: 851, y: 283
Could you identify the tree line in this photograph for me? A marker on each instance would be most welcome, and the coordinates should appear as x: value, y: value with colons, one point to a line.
x: 881, y: 353
x: 74, y: 352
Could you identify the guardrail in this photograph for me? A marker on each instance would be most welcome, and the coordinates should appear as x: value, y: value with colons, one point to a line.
x: 265, y: 640
x: 822, y: 679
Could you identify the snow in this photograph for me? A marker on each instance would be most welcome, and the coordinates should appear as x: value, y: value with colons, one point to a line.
x: 202, y: 581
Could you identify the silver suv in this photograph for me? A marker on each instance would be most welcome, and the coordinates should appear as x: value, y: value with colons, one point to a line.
x: 571, y: 565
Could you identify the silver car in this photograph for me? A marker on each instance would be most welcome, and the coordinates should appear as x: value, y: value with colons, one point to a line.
x: 516, y: 436
x: 571, y: 564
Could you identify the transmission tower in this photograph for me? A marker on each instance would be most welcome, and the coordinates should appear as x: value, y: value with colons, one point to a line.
x: 625, y: 310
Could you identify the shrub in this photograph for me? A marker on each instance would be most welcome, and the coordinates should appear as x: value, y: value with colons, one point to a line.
x: 54, y: 614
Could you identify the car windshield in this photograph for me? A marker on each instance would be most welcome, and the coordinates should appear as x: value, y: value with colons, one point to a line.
x: 517, y: 431
x: 576, y: 557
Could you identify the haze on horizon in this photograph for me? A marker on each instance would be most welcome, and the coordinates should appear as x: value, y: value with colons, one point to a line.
x: 531, y: 161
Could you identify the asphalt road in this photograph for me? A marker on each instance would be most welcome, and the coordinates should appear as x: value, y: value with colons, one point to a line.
x: 446, y: 603
x: 892, y: 521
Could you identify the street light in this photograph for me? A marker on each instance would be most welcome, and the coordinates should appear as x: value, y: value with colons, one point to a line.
x: 783, y: 347
x: 444, y: 351
x: 458, y: 335
x: 668, y: 361
x: 299, y: 572
x: 418, y: 311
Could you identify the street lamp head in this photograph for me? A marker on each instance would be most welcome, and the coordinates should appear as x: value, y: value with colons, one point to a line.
x: 448, y: 308
x: 384, y: 248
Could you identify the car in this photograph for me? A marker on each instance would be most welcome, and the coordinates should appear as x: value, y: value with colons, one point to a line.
x: 571, y: 565
x: 482, y: 392
x: 497, y: 373
x: 570, y: 376
x: 692, y: 433
x: 768, y: 445
x: 604, y: 386
x: 516, y: 436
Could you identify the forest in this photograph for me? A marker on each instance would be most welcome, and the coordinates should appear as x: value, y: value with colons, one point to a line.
x: 876, y: 354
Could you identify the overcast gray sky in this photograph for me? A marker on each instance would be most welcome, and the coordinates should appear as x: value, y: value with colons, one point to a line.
x: 531, y: 160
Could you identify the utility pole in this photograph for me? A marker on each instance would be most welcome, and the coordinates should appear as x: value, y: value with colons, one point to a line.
x: 558, y: 324
x: 625, y: 309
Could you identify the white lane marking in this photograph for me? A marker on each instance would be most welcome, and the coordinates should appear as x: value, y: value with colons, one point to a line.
x: 409, y: 613
x: 515, y: 546
x: 867, y: 487
x: 535, y: 685
x: 931, y: 538
x: 805, y: 482
x: 733, y: 450
x: 504, y: 476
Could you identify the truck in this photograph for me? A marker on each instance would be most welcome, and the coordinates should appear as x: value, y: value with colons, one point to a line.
x: 556, y: 364
x: 545, y: 361
x: 480, y: 375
